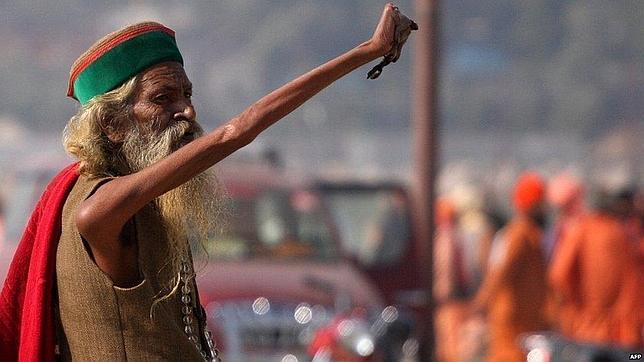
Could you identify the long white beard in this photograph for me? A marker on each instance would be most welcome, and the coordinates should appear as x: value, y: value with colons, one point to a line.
x: 192, y: 212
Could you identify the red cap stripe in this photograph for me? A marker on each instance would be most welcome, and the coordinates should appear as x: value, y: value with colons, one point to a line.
x: 107, y: 46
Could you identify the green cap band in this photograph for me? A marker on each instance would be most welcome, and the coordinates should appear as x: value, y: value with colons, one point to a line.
x: 120, y: 56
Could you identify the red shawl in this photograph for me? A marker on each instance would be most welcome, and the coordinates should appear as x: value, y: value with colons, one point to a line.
x: 26, y: 313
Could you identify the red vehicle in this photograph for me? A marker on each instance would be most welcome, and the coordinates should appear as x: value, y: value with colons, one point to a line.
x: 277, y: 276
x: 376, y: 229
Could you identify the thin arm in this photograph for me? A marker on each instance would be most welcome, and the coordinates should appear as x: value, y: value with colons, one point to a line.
x: 102, y: 216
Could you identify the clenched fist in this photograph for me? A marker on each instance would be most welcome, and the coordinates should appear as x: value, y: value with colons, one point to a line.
x: 390, y: 35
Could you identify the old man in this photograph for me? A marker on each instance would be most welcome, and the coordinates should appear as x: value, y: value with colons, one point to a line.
x: 124, y: 285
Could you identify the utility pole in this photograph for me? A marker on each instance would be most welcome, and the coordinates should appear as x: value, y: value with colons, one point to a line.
x: 425, y: 133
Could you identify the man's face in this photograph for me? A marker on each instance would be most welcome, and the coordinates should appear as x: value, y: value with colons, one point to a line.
x: 163, y: 98
x: 162, y: 117
x: 164, y: 121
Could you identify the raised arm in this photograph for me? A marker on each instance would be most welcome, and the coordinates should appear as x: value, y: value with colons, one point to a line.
x: 101, y: 217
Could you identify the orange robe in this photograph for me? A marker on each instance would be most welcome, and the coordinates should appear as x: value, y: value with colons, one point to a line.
x: 515, y: 289
x: 596, y: 274
x: 560, y: 314
x: 450, y: 313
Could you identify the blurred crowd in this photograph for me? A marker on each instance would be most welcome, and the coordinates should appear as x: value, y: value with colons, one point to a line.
x: 568, y: 260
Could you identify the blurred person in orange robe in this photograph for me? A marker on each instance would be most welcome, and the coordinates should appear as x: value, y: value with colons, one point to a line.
x: 475, y: 230
x: 566, y: 197
x: 514, y: 290
x: 449, y: 285
x: 597, y: 272
x: 639, y: 215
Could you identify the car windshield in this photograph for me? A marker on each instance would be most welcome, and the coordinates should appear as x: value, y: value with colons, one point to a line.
x: 373, y: 223
x: 275, y: 224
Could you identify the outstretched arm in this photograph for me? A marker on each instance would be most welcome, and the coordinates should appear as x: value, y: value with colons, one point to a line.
x: 101, y: 217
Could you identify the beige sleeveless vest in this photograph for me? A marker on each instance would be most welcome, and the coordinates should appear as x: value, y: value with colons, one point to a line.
x: 97, y: 321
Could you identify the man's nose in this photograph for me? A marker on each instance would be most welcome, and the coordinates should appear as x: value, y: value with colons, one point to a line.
x: 186, y: 112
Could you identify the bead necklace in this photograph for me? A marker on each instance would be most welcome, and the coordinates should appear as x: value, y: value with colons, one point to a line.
x: 209, y: 352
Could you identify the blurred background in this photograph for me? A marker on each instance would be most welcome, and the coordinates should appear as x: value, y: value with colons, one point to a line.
x: 556, y: 87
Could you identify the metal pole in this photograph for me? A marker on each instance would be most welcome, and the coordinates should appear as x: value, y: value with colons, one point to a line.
x: 425, y: 123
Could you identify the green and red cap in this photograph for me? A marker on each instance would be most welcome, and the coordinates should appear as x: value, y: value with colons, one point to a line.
x: 118, y: 57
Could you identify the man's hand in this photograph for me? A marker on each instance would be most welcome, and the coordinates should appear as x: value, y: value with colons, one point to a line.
x: 382, y: 40
x: 389, y: 37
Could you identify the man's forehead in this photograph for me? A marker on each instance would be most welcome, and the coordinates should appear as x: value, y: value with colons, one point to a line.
x: 164, y: 73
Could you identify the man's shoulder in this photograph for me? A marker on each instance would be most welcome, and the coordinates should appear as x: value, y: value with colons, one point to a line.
x: 516, y: 228
x: 522, y: 231
x: 83, y: 188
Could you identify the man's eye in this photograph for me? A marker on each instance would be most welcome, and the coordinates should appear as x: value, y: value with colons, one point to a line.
x: 188, y: 95
x: 161, y: 98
